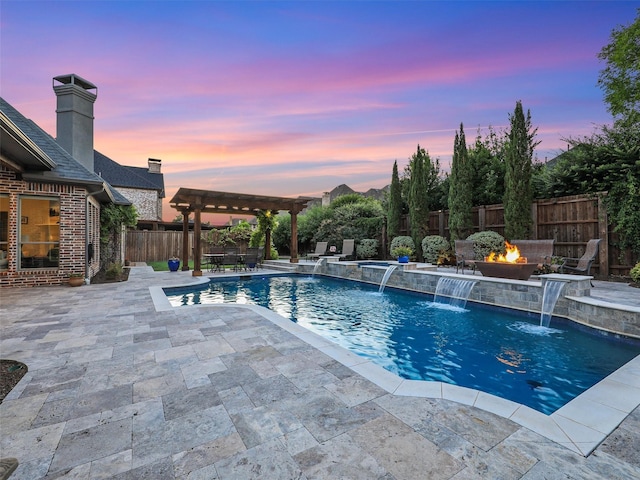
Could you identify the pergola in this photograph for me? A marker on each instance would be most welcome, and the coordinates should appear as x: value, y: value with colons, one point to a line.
x: 188, y: 200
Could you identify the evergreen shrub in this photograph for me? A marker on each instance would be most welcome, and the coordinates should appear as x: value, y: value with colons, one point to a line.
x: 367, y: 248
x: 635, y: 273
x: 433, y: 246
x: 486, y: 242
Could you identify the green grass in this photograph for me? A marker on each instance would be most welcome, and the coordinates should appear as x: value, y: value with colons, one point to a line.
x: 163, y: 266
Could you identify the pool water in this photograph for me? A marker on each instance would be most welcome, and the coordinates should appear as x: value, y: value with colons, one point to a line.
x: 493, y: 350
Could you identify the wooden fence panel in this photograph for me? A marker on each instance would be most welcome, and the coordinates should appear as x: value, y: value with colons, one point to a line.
x: 154, y: 245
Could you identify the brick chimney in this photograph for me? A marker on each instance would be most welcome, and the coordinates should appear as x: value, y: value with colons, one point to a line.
x: 74, y: 125
x: 155, y: 165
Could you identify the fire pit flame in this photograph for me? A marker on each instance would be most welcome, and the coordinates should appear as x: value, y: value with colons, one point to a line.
x: 512, y: 255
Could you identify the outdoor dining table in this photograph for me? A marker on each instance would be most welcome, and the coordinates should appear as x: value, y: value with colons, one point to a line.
x: 215, y: 260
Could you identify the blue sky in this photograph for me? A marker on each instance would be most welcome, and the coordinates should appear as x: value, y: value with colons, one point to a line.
x: 295, y: 98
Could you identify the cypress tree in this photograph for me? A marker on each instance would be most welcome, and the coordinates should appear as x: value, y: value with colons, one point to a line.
x: 394, y: 211
x: 419, y: 199
x: 460, y: 189
x: 517, y: 179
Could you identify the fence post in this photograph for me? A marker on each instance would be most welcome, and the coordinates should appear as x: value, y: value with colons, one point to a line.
x: 534, y: 220
x: 482, y: 218
x: 603, y: 232
x: 441, y: 223
x: 185, y: 240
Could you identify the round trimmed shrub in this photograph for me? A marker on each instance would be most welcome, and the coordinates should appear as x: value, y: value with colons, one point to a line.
x: 402, y: 241
x: 486, y: 242
x: 433, y: 246
x: 367, y: 248
x: 635, y: 273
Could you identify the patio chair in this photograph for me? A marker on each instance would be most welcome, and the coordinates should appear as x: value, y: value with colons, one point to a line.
x: 230, y: 258
x: 251, y: 258
x: 260, y: 257
x: 321, y: 248
x: 348, y: 247
x: 214, y: 259
x: 583, y: 264
x: 465, y: 256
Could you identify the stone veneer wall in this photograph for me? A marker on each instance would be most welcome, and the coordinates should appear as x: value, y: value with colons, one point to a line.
x: 574, y: 302
x: 145, y: 201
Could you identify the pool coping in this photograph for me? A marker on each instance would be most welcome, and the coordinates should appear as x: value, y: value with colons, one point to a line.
x: 580, y: 425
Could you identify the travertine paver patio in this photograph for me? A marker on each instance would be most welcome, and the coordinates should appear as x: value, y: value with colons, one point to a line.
x: 117, y: 389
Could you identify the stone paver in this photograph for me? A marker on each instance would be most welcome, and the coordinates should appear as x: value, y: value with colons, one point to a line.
x: 116, y: 389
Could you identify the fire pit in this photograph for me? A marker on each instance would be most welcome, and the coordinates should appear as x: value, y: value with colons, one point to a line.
x: 514, y: 271
x: 510, y: 265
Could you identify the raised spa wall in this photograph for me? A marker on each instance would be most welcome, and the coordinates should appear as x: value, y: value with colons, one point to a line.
x: 574, y: 303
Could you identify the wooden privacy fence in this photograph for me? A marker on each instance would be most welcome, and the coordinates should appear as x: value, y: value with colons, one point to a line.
x: 154, y: 245
x: 159, y: 245
x: 570, y: 221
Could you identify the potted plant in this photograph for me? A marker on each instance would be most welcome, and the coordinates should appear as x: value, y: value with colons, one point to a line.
x: 402, y: 253
x: 76, y: 279
x: 174, y: 264
x: 402, y: 248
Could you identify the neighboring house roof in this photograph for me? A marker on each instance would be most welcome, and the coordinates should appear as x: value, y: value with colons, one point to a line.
x: 127, y: 177
x: 52, y: 163
x: 377, y: 193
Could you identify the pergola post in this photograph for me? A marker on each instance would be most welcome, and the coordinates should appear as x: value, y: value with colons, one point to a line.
x: 267, y: 244
x: 185, y: 240
x: 197, y: 251
x: 294, y: 237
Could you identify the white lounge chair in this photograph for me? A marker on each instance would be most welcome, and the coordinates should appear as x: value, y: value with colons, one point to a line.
x: 321, y: 248
x: 348, y: 247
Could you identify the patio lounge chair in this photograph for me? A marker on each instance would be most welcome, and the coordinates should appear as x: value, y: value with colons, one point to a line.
x: 321, y: 248
x: 465, y: 256
x: 583, y: 264
x: 348, y: 247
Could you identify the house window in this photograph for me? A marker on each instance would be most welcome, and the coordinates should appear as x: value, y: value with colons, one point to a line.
x: 39, y: 232
x: 4, y: 232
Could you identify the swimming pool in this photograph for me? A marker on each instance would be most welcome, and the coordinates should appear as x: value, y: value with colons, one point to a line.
x: 504, y: 353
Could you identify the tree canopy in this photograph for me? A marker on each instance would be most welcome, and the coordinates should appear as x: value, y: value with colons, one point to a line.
x: 620, y: 78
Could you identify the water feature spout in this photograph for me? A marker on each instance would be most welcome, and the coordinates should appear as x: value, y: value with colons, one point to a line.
x: 453, y: 291
x: 317, y: 266
x: 385, y: 277
x: 550, y: 296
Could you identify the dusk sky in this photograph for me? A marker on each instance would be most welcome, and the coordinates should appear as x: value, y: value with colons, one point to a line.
x: 295, y: 98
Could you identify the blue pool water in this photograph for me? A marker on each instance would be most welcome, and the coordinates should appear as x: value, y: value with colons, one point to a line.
x: 500, y: 352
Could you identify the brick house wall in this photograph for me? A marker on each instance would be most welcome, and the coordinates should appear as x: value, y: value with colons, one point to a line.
x: 73, y: 211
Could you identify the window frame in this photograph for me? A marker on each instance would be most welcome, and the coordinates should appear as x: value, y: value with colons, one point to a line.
x: 49, y: 211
